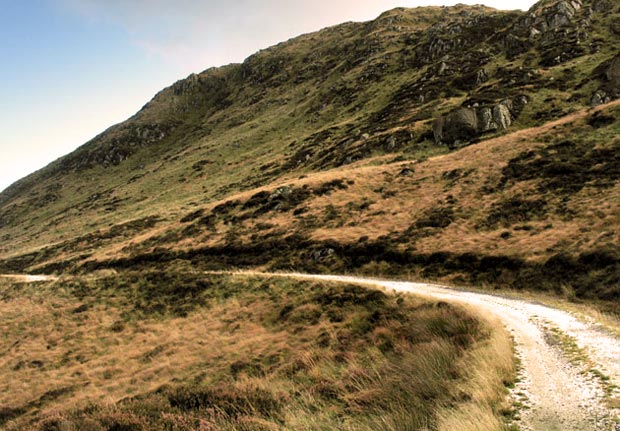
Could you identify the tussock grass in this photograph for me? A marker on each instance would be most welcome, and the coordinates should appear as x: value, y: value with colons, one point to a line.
x: 183, y: 352
x: 534, y: 209
x: 491, y: 368
x: 355, y: 94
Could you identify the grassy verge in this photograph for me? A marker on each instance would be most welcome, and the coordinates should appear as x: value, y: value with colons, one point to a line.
x: 601, y: 312
x: 178, y: 351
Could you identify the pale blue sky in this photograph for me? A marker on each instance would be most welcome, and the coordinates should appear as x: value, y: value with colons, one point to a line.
x: 72, y: 68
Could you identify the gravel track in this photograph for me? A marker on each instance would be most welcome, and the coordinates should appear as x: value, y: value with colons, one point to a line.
x: 25, y: 278
x: 559, y: 394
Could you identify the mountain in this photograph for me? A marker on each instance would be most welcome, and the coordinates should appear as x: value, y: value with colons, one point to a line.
x: 447, y: 142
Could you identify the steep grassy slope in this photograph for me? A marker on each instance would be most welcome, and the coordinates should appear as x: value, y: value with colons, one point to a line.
x: 534, y: 209
x: 181, y: 351
x: 421, y: 142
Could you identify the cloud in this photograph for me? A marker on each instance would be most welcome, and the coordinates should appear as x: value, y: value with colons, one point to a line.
x: 192, y: 34
x: 189, y: 34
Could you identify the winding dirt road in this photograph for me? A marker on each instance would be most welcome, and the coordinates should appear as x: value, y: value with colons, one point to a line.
x: 26, y: 278
x: 559, y: 395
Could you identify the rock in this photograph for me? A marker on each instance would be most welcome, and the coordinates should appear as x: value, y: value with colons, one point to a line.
x: 519, y: 103
x: 502, y: 115
x: 610, y: 86
x: 599, y: 98
x: 321, y: 255
x: 558, y: 20
x: 461, y: 124
x: 442, y: 68
x: 466, y: 124
x: 613, y: 73
x: 557, y: 29
x: 485, y: 120
x: 280, y: 193
x: 482, y: 76
x: 561, y: 13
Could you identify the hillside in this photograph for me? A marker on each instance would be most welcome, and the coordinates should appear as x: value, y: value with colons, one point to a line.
x: 458, y: 143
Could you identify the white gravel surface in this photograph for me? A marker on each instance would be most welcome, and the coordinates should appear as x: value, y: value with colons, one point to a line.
x: 27, y: 278
x: 557, y: 394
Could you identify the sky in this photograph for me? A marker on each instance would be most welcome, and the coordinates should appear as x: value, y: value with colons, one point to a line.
x: 72, y: 68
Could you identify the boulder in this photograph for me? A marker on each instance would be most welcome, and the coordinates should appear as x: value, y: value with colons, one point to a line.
x: 459, y: 125
x: 485, y: 120
x: 281, y: 193
x: 466, y: 124
x: 610, y: 85
x: 502, y: 115
x: 600, y: 98
x: 482, y: 76
x: 323, y: 254
x: 562, y: 13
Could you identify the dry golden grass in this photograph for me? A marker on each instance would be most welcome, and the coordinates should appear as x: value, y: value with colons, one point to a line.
x: 489, y: 368
x: 102, y: 359
x: 79, y: 362
x: 395, y: 202
x: 380, y: 201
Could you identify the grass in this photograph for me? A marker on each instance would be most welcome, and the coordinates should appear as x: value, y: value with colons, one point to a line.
x: 585, y: 311
x: 519, y: 224
x: 182, y: 351
x: 579, y: 357
x: 357, y: 97
x: 314, y: 155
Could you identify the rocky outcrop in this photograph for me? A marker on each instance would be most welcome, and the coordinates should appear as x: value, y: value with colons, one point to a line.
x: 546, y: 16
x: 560, y: 14
x: 463, y: 125
x: 557, y: 29
x: 610, y: 86
x: 459, y: 125
x: 115, y: 146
